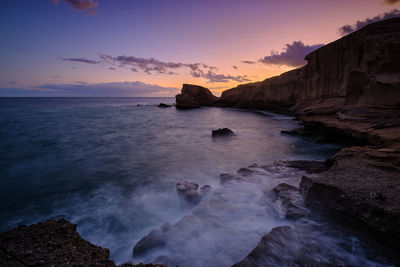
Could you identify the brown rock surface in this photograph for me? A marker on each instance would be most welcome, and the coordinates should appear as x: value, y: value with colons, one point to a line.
x: 364, y: 184
x: 52, y: 243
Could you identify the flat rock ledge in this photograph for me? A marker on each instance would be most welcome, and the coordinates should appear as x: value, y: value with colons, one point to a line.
x: 52, y: 243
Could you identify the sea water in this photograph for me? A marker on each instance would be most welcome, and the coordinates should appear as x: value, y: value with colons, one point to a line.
x: 111, y: 165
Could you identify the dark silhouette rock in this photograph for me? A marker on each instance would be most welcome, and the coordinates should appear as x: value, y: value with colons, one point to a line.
x: 52, y: 243
x: 162, y: 105
x: 222, y: 132
x: 194, y: 96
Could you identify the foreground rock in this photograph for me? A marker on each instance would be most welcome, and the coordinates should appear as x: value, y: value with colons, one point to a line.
x: 222, y: 132
x: 307, y: 243
x: 194, y: 96
x: 52, y: 243
x: 363, y: 184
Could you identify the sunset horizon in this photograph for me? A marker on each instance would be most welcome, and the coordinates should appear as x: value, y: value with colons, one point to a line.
x: 129, y: 48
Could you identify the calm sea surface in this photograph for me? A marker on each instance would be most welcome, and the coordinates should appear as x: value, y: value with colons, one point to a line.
x: 111, y: 164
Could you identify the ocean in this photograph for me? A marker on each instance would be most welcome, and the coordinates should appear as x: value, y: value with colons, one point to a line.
x: 111, y: 165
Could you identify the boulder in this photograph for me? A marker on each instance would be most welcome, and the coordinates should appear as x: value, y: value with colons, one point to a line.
x: 188, y: 191
x: 222, y: 132
x: 194, y: 96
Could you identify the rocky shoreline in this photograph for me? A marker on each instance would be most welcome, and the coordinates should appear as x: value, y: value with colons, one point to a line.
x: 349, y: 90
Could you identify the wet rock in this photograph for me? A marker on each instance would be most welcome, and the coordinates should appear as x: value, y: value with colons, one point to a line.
x: 310, y: 166
x: 194, y: 96
x: 51, y: 243
x: 157, y: 238
x: 292, y: 201
x: 188, y: 191
x: 307, y: 243
x: 357, y: 186
x: 222, y: 132
x: 205, y: 189
x: 162, y: 105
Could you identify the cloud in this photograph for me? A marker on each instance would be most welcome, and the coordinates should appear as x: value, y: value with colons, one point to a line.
x: 346, y: 29
x: 81, y: 5
x: 391, y: 2
x: 12, y: 82
x: 154, y: 66
x: 213, y: 77
x: 81, y: 59
x: 235, y: 67
x: 83, y: 89
x: 292, y: 55
x: 112, y: 68
x: 248, y: 62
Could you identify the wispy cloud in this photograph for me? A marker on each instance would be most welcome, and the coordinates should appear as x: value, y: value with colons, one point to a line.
x: 12, y: 82
x: 346, y: 29
x: 81, y: 59
x: 292, y: 55
x: 81, y: 5
x: 248, y: 62
x: 154, y: 66
x: 391, y: 2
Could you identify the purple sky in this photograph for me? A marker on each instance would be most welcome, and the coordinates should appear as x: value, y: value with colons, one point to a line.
x: 149, y: 48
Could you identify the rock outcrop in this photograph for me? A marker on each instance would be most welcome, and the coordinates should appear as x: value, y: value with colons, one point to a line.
x: 52, y: 243
x: 362, y: 69
x: 194, y: 96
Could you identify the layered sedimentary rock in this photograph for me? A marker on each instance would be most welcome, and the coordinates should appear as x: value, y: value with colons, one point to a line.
x: 362, y: 68
x: 52, y: 243
x: 193, y: 96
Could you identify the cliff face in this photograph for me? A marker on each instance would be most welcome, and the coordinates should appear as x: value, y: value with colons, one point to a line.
x: 360, y: 69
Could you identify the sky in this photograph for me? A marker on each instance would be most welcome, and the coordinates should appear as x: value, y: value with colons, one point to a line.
x: 151, y: 47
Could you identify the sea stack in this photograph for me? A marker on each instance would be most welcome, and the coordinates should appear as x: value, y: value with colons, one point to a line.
x: 194, y: 96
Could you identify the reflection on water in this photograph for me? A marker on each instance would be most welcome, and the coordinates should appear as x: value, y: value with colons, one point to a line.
x: 111, y: 164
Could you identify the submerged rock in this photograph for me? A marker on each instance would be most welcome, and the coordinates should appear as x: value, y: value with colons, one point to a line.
x: 222, y: 132
x: 162, y: 105
x: 188, y: 191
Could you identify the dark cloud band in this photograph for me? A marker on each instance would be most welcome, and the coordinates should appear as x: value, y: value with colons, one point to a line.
x: 346, y: 29
x: 292, y: 55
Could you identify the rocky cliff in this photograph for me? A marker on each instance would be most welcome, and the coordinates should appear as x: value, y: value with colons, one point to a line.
x: 362, y: 69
